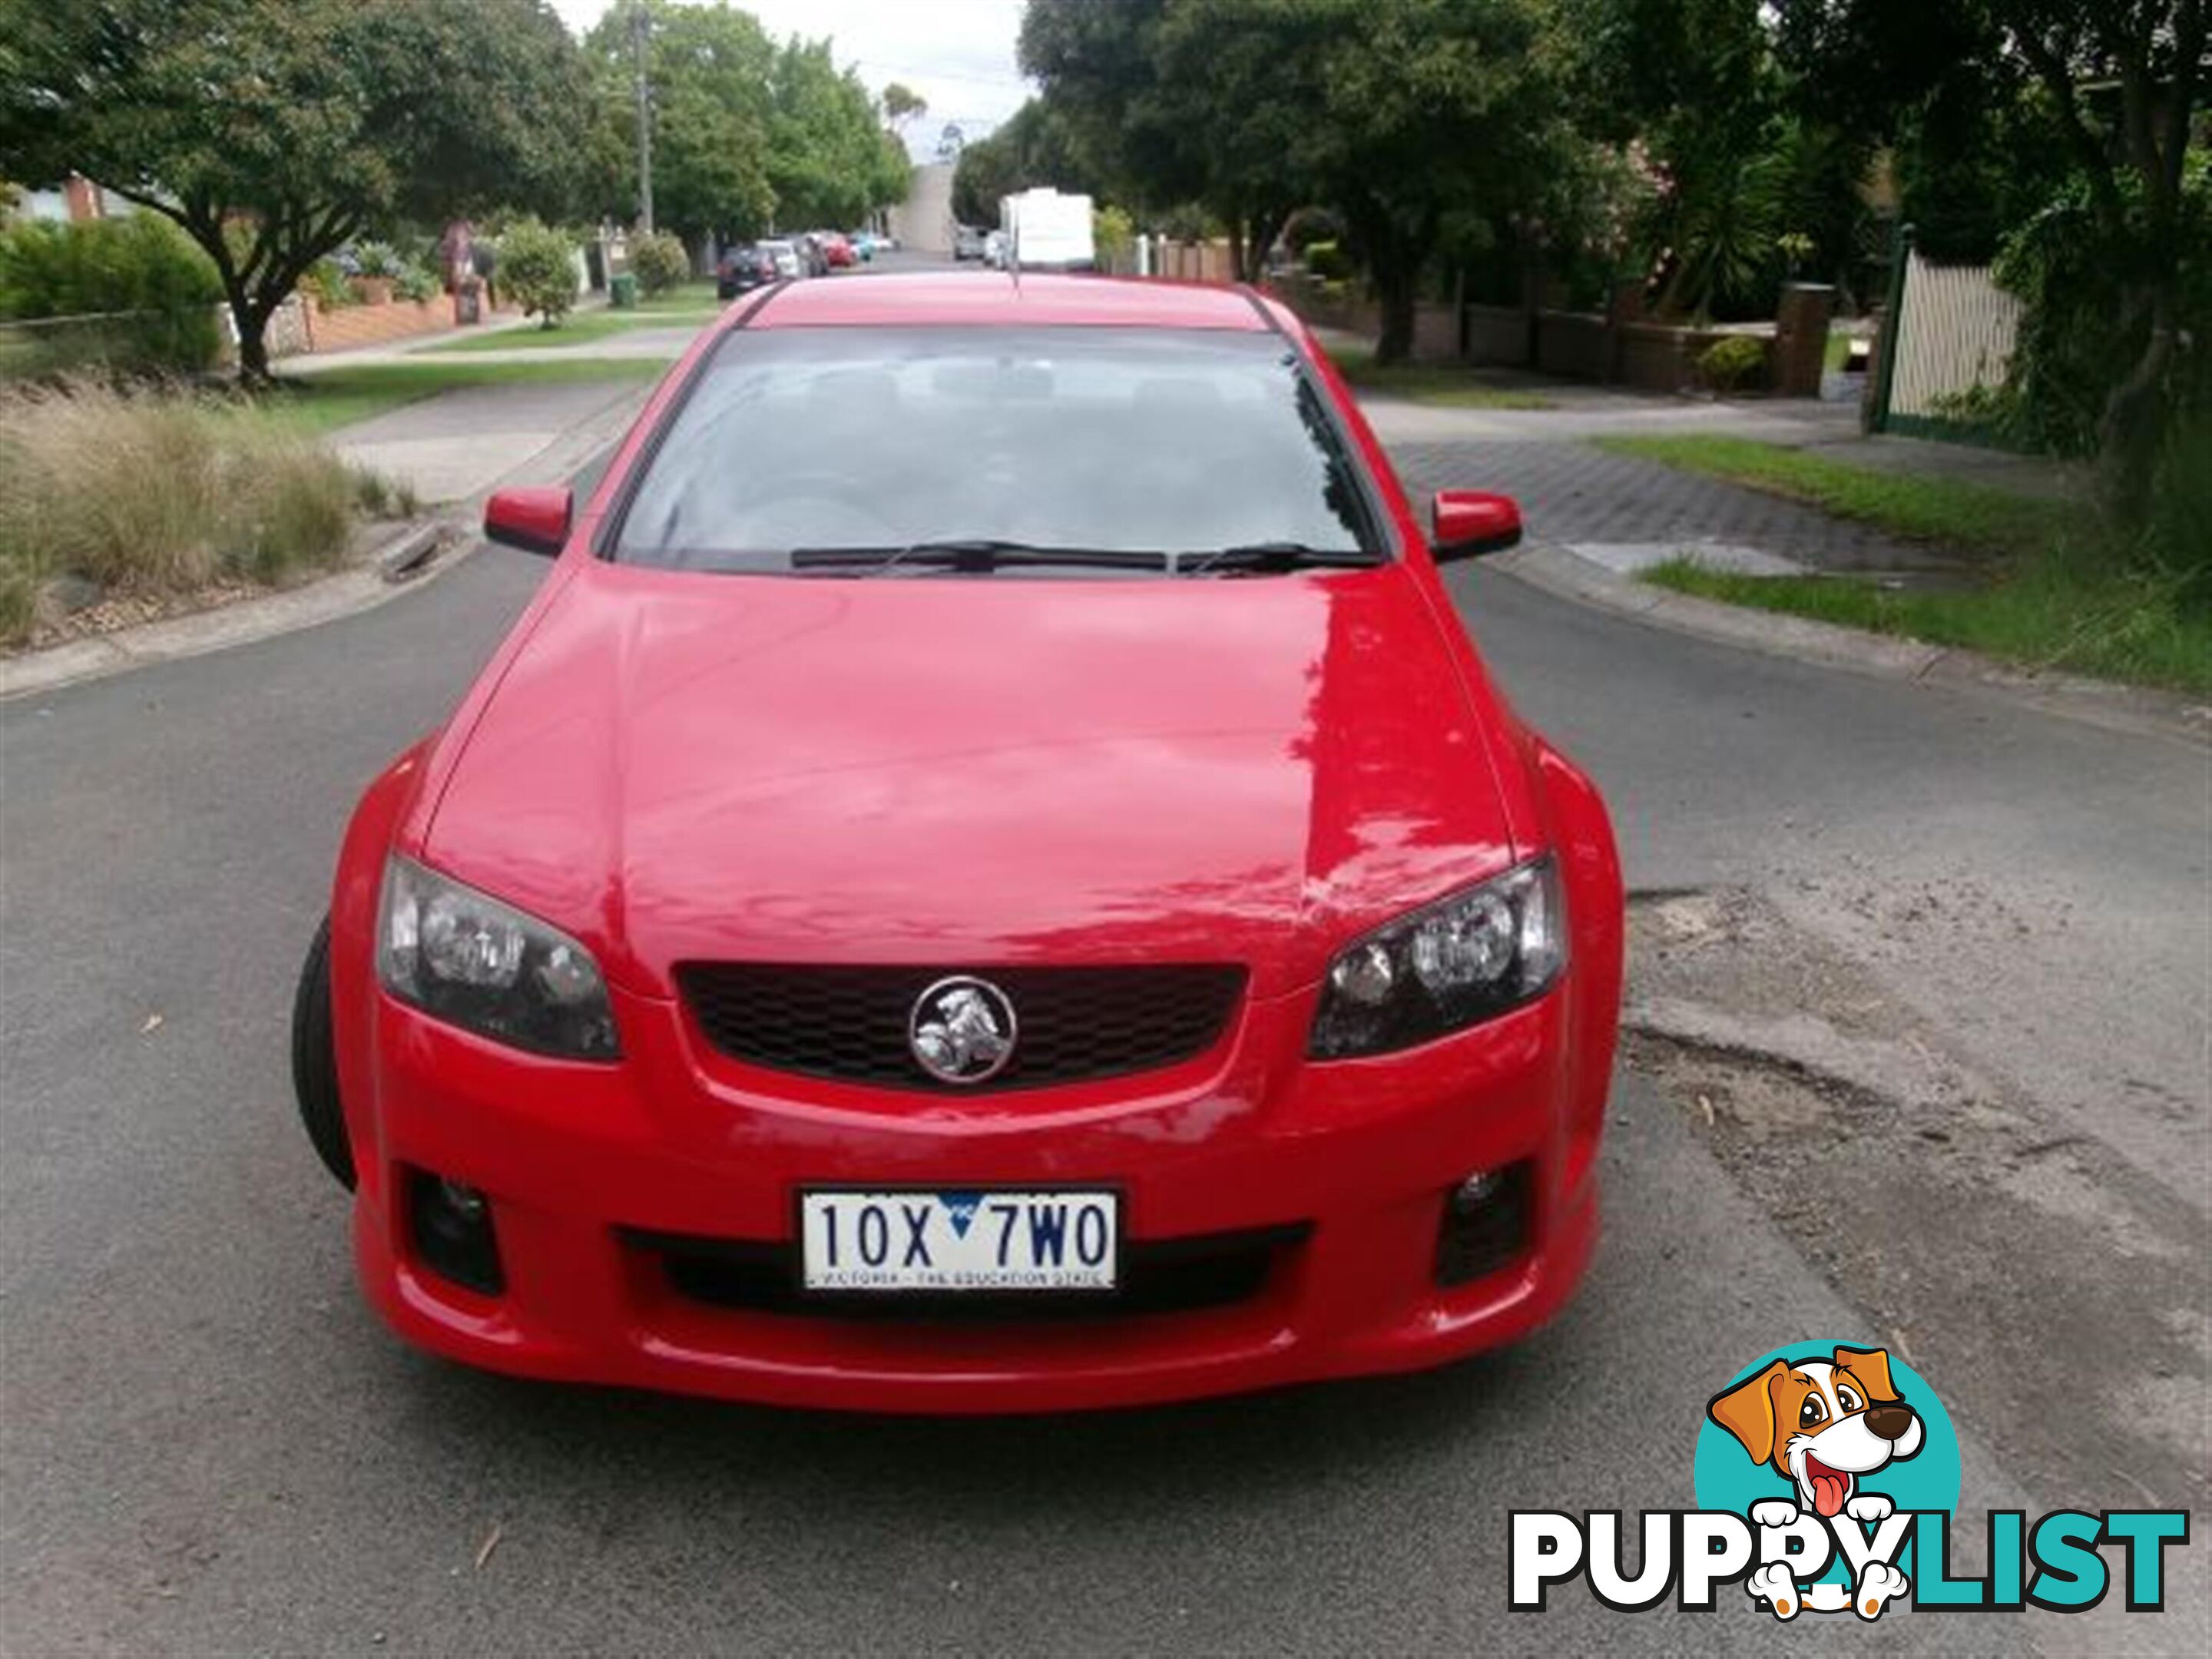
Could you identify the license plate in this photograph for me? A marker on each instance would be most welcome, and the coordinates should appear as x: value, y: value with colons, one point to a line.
x: 960, y: 1240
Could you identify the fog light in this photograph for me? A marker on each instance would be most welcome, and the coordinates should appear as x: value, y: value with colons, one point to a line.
x: 1484, y: 1225
x: 452, y: 1225
x: 1477, y: 1190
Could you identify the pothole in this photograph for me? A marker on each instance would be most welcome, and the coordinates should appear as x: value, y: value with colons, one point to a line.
x: 1966, y: 1225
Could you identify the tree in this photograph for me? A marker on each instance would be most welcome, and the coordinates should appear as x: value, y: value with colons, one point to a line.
x: 1428, y: 110
x: 273, y: 131
x: 903, y: 107
x: 1199, y: 102
x: 1032, y: 147
x: 709, y: 68
x: 1401, y: 117
x: 829, y: 161
x: 2117, y: 87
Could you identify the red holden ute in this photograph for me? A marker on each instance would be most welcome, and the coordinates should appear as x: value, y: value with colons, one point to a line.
x: 989, y: 877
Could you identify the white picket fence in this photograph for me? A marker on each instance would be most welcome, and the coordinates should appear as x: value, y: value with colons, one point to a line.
x: 1956, y: 329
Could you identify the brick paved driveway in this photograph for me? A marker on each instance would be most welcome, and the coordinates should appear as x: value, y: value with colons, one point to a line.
x: 1571, y: 492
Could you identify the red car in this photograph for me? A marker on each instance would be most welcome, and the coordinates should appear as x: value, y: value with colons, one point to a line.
x: 989, y: 877
x: 837, y: 248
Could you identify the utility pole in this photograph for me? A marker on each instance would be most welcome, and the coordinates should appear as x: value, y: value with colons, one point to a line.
x: 641, y: 31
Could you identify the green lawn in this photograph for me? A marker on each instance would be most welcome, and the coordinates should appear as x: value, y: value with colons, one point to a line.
x: 321, y: 402
x: 2057, y: 594
x: 570, y: 331
x: 692, y: 297
x: 1440, y: 385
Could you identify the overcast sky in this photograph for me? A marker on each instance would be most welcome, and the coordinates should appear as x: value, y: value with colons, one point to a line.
x: 958, y: 54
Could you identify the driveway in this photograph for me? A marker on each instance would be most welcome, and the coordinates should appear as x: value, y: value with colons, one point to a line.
x: 209, y: 1443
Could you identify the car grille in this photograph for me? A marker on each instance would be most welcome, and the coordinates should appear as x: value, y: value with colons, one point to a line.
x: 1075, y: 1023
x: 1158, y: 1276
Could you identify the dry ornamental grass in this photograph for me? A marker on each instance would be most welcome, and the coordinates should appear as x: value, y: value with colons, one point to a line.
x: 154, y: 493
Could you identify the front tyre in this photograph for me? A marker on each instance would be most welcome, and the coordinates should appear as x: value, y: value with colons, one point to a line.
x: 315, y: 1063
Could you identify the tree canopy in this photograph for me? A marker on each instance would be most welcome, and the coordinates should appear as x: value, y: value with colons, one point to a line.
x: 1401, y: 117
x: 712, y: 107
x: 1710, y: 149
x: 275, y: 131
x: 746, y: 132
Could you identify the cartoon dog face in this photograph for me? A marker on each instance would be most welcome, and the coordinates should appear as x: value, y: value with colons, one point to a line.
x: 1821, y: 1424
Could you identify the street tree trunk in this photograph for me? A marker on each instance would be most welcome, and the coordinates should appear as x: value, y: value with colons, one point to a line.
x: 1266, y: 224
x: 253, y: 323
x: 2132, y: 427
x: 258, y: 275
x: 1394, y: 288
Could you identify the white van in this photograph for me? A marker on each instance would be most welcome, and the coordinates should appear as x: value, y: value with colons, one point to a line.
x: 1047, y: 231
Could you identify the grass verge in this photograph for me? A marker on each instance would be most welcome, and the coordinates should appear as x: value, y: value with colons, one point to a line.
x: 570, y: 331
x: 691, y: 296
x: 2054, y: 609
x: 1440, y: 386
x: 154, y: 495
x: 315, y: 404
x: 2059, y: 592
x: 1945, y: 511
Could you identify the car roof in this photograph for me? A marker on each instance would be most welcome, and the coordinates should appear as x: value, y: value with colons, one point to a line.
x: 986, y: 299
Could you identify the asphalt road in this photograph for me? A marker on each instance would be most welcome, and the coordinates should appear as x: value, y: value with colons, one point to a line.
x: 207, y: 1444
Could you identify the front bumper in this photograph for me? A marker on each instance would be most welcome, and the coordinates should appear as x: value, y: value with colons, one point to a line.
x: 1344, y: 1168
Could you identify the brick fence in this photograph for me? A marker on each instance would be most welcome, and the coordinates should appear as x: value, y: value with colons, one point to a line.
x: 1620, y: 348
x: 347, y: 326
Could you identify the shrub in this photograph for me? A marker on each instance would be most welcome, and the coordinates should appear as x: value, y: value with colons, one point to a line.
x: 1329, y: 261
x: 1310, y: 225
x: 418, y: 283
x: 327, y: 281
x: 660, y: 261
x: 1114, y: 237
x: 536, y: 266
x: 1735, y: 364
x: 149, y: 293
x: 152, y: 493
x: 2176, y: 538
x: 377, y: 259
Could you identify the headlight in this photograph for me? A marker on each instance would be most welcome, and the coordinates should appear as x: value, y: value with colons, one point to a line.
x: 466, y: 957
x: 1466, y: 957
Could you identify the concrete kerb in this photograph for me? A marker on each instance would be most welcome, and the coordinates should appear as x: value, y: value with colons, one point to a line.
x: 2124, y: 708
x: 413, y: 555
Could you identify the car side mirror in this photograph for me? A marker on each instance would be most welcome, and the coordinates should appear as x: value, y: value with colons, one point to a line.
x: 1469, y: 523
x: 535, y: 520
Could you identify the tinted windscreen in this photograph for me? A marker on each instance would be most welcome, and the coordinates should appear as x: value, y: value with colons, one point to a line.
x: 1148, y: 441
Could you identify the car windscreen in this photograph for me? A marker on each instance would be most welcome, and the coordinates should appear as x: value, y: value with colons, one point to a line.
x: 1147, y: 439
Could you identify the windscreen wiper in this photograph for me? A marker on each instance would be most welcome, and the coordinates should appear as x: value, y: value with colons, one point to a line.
x: 971, y: 556
x: 1271, y: 556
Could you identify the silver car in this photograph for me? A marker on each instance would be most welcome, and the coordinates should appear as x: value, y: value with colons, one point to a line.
x: 787, y: 261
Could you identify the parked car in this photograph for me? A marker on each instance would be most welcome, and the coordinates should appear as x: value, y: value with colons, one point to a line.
x: 996, y: 250
x: 742, y: 270
x: 786, y: 257
x: 902, y: 882
x: 837, y: 252
x: 864, y: 244
x: 966, y: 242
